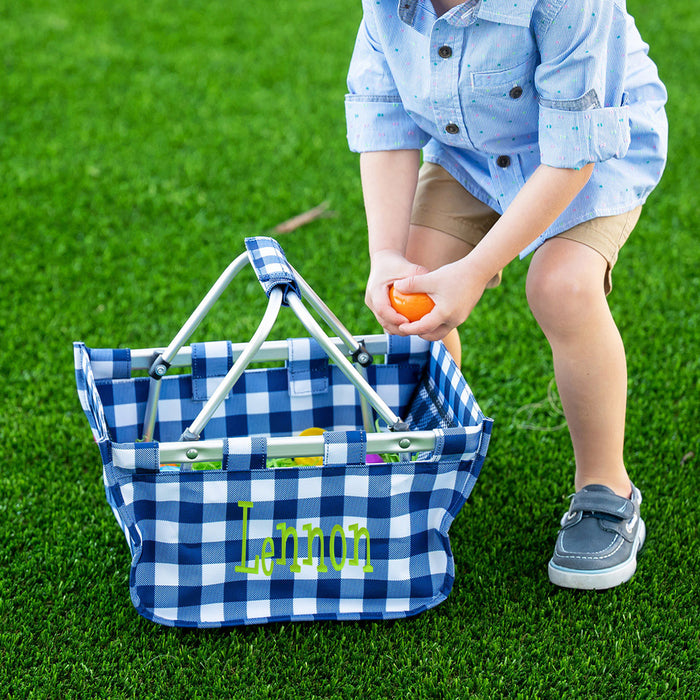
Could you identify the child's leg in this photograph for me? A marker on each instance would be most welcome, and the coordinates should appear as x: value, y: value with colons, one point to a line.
x: 447, y: 222
x: 453, y: 344
x: 565, y: 290
x: 433, y: 249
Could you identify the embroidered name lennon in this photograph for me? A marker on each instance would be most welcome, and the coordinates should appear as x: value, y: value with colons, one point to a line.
x: 266, y: 559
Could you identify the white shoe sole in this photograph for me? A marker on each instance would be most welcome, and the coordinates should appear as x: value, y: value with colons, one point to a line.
x: 599, y: 580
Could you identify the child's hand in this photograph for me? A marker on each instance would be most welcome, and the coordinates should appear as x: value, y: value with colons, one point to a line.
x: 387, y: 267
x: 455, y: 289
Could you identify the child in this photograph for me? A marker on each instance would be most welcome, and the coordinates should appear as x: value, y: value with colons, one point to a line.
x: 543, y: 131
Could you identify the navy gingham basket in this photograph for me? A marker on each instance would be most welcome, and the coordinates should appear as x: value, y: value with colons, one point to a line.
x: 241, y: 542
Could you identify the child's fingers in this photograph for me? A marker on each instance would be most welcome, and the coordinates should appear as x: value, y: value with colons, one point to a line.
x: 435, y: 334
x: 390, y: 319
x: 385, y: 312
x: 414, y: 284
x: 429, y: 325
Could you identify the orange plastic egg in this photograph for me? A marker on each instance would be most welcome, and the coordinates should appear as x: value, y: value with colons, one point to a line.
x: 412, y: 306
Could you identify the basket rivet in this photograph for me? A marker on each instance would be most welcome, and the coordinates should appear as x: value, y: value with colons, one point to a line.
x: 404, y: 443
x: 192, y: 453
x: 363, y: 358
x: 160, y: 371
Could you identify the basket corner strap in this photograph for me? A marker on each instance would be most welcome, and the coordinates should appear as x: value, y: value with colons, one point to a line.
x: 341, y: 448
x: 211, y: 361
x: 271, y: 266
x: 236, y: 547
x: 87, y: 392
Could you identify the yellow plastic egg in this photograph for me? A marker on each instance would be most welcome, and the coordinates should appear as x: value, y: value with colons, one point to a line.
x: 310, y: 461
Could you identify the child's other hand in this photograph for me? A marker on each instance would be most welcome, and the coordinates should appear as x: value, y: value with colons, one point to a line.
x: 455, y: 289
x: 387, y: 267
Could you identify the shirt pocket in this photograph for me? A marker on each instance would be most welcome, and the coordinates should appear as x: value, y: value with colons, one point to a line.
x: 500, y: 107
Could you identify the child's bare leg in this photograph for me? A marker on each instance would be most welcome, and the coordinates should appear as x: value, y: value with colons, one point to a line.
x: 454, y: 346
x: 432, y: 249
x: 565, y: 292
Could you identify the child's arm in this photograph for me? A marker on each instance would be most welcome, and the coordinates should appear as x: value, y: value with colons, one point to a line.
x: 389, y: 184
x: 457, y: 287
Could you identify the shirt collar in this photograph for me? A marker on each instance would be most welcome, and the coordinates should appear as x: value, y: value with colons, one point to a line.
x: 504, y: 11
x: 507, y: 11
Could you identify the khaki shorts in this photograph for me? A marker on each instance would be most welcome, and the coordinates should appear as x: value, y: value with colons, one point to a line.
x: 443, y: 204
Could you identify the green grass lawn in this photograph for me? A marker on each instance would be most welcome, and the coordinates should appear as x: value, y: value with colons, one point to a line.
x: 139, y: 144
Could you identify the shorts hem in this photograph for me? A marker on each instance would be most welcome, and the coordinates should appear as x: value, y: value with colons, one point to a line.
x: 471, y: 235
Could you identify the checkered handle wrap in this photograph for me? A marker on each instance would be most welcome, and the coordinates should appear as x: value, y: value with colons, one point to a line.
x: 271, y: 266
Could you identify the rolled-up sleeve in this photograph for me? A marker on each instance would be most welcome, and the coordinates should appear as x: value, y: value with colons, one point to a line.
x: 580, y: 83
x: 375, y: 115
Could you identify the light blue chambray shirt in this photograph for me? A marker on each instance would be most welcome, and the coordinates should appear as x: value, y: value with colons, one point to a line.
x: 493, y: 88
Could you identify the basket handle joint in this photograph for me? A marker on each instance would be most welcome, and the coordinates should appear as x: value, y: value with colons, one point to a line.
x: 159, y: 367
x: 362, y: 356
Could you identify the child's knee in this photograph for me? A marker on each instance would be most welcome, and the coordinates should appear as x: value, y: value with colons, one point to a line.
x: 561, y: 297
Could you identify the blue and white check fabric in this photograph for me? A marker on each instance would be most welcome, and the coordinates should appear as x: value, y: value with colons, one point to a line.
x: 344, y: 447
x: 87, y: 387
x: 210, y: 364
x: 247, y: 543
x: 307, y: 367
x: 271, y: 266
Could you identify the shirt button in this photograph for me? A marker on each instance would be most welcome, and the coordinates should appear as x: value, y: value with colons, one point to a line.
x: 452, y: 129
x: 516, y: 92
x: 444, y: 52
x: 503, y: 161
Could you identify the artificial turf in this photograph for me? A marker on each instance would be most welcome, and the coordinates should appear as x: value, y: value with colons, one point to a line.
x: 139, y: 144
